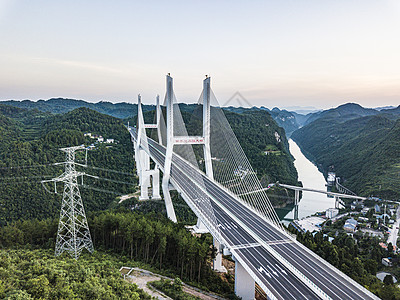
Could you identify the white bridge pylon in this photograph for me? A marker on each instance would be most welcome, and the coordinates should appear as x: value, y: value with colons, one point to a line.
x: 143, y: 159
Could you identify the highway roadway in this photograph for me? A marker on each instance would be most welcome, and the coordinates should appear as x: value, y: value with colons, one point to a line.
x: 257, y: 244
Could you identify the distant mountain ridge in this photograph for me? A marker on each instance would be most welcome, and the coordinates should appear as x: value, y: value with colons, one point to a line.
x: 289, y: 120
x: 121, y: 110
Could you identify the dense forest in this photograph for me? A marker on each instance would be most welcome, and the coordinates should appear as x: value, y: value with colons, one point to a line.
x: 36, y: 274
x: 363, y: 150
x: 150, y: 240
x: 29, y: 147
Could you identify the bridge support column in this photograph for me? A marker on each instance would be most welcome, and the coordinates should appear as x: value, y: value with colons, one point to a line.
x: 336, y: 202
x: 168, y: 153
x: 156, y: 184
x: 244, y: 283
x: 143, y: 164
x: 144, y: 185
x: 296, y: 204
x: 217, y: 263
x: 167, y: 199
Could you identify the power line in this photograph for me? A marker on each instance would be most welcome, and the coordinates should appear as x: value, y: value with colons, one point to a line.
x: 115, y: 181
x: 109, y: 170
x: 25, y: 167
x: 85, y: 186
x: 23, y: 177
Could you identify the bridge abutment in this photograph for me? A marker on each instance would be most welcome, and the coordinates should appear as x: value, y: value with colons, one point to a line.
x: 244, y: 283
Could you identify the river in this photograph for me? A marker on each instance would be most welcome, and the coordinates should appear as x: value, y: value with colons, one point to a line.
x: 311, y: 177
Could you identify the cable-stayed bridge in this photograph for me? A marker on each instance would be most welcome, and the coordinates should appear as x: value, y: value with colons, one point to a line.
x: 225, y: 194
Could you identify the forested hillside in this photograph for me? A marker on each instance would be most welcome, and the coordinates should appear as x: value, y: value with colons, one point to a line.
x: 36, y: 274
x: 29, y: 146
x: 365, y: 151
x: 255, y: 131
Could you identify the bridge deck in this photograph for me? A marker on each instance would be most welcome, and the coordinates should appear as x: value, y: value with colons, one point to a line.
x: 249, y: 237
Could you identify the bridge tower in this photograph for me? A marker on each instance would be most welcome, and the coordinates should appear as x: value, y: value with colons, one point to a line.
x: 142, y: 159
x: 204, y: 140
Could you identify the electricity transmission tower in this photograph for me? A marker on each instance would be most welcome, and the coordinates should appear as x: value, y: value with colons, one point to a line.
x: 73, y: 231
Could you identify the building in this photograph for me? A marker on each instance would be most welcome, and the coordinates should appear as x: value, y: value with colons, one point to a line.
x: 88, y: 134
x: 377, y: 208
x: 365, y: 210
x: 350, y: 225
x: 363, y: 219
x: 100, y: 139
x: 110, y: 141
x: 331, y: 212
x: 386, y: 262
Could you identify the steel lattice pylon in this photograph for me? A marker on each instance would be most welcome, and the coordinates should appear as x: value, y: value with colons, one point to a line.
x: 73, y: 231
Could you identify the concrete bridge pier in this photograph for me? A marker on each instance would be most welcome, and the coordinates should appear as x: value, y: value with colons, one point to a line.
x: 296, y: 204
x: 156, y: 183
x: 148, y: 177
x: 143, y: 166
x: 217, y: 263
x: 244, y: 283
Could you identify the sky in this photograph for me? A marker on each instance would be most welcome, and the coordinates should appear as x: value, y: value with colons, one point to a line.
x: 274, y: 53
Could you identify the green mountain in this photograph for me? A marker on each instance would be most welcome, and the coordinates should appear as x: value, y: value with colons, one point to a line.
x: 344, y: 112
x: 29, y: 147
x: 60, y: 106
x: 363, y: 145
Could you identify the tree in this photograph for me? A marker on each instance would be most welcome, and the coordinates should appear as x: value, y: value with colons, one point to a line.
x: 388, y: 280
x: 39, y: 287
x: 177, y: 284
x: 390, y: 248
x: 371, y: 266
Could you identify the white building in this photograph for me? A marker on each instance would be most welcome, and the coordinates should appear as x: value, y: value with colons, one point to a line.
x: 331, y: 212
x: 350, y: 225
x: 386, y: 262
x: 110, y: 141
x: 100, y: 139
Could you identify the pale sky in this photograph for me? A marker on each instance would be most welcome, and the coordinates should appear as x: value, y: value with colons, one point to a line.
x: 275, y: 53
